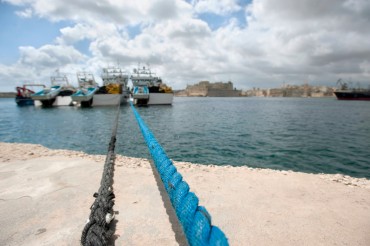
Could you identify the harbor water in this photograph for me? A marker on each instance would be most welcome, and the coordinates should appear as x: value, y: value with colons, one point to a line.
x: 315, y: 135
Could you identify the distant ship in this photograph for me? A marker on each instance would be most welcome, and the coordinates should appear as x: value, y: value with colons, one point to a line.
x: 345, y: 93
x: 148, y: 89
x: 353, y: 95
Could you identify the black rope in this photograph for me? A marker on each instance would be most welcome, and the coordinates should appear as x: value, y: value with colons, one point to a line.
x: 97, y: 231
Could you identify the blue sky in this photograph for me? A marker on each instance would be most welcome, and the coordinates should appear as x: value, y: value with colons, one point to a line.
x: 17, y: 31
x: 260, y: 43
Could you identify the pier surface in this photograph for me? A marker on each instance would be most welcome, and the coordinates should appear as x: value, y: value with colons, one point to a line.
x: 45, y: 196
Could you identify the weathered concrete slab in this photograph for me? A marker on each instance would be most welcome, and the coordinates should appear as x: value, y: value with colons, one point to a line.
x: 45, y: 196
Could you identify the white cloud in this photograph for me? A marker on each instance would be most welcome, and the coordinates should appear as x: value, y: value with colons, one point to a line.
x: 119, y: 13
x: 220, y: 7
x: 52, y: 56
x: 283, y: 41
x: 81, y: 31
x: 37, y: 65
x: 27, y: 13
x: 71, y: 35
x: 323, y: 40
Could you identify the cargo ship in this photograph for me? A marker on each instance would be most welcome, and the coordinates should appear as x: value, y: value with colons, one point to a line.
x: 353, y: 95
x: 345, y: 93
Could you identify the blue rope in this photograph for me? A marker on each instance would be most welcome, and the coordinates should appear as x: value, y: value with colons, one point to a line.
x: 195, y: 220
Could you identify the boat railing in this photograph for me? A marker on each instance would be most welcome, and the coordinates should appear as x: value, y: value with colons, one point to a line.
x: 59, y: 80
x: 25, y: 85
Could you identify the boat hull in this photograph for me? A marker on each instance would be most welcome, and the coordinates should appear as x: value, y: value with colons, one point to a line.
x: 351, y: 95
x: 47, y: 102
x: 83, y: 101
x: 141, y: 92
x: 141, y: 96
x: 84, y: 95
x: 108, y: 99
x: 160, y: 98
x: 56, y: 102
x: 24, y: 101
x: 82, y: 98
x: 46, y: 95
x: 63, y: 101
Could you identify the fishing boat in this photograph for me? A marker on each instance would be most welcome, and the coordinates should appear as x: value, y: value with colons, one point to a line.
x: 47, y: 96
x: 114, y: 90
x: 87, y: 88
x: 23, y: 97
x: 59, y: 94
x: 148, y: 89
x: 347, y: 93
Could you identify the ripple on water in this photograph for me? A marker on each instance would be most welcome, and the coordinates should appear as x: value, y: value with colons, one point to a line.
x: 310, y: 135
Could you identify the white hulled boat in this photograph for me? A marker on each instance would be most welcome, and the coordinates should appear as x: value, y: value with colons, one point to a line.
x: 114, y: 89
x: 87, y: 88
x: 148, y: 89
x: 59, y: 94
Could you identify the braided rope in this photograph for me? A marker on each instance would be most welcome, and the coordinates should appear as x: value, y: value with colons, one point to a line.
x: 97, y: 231
x: 195, y: 220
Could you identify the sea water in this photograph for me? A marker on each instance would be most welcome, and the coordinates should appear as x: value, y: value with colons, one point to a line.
x: 315, y: 135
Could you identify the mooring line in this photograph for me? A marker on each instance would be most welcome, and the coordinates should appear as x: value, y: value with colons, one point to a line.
x: 195, y: 220
x: 98, y: 229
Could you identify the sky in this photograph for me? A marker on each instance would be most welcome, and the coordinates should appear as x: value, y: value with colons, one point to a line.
x: 253, y: 43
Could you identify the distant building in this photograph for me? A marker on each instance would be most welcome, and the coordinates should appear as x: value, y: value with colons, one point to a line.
x: 292, y: 91
x: 255, y: 92
x: 207, y: 89
x: 276, y: 92
x: 197, y: 90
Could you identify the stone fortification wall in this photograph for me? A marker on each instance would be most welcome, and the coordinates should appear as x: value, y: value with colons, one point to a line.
x: 223, y: 93
x: 198, y: 90
x: 218, y: 89
x: 220, y: 86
